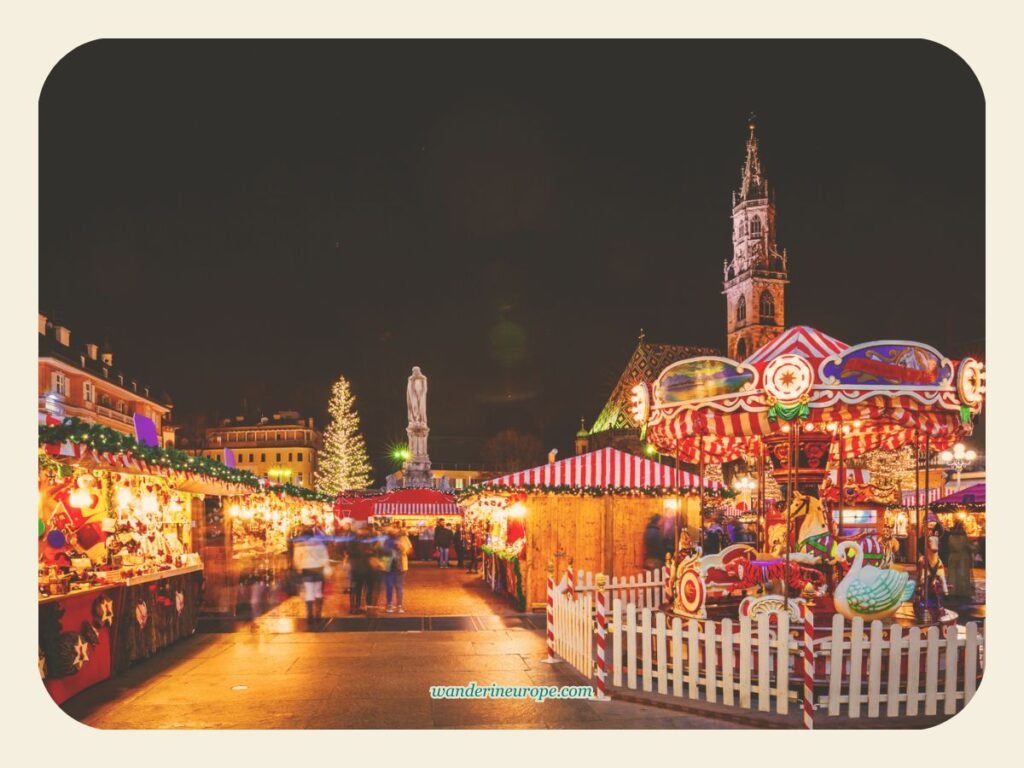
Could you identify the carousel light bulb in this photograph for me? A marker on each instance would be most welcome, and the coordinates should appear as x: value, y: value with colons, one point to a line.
x: 856, y: 423
x: 785, y: 428
x: 808, y: 427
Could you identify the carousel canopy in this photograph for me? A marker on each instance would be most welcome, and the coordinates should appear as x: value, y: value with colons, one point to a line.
x: 880, y: 394
x: 607, y: 467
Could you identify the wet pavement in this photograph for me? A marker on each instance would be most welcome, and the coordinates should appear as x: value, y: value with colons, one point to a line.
x: 259, y: 679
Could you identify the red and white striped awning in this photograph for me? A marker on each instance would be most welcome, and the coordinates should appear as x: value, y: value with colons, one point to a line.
x: 604, y: 468
x: 934, y: 494
x: 417, y: 502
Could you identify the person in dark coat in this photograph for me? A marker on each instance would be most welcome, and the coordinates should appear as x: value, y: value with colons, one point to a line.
x: 460, y: 544
x: 360, y: 550
x: 654, y: 544
x: 443, y: 540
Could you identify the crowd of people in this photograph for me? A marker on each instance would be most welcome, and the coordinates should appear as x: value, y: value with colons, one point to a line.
x: 374, y: 560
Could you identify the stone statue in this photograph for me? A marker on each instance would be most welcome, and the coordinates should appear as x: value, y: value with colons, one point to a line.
x: 416, y: 398
x: 416, y: 472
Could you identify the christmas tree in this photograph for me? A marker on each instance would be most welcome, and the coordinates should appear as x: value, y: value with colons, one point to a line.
x: 343, y: 463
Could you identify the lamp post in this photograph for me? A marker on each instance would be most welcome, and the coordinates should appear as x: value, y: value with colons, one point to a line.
x: 957, y: 459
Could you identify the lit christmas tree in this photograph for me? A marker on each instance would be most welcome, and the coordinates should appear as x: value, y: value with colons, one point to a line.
x: 891, y: 469
x: 343, y: 463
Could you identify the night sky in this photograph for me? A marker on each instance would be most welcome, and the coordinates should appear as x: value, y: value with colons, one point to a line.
x: 243, y: 221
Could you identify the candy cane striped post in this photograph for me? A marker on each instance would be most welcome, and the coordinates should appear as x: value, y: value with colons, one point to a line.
x: 602, y: 632
x: 570, y: 580
x: 808, y: 666
x: 551, y: 614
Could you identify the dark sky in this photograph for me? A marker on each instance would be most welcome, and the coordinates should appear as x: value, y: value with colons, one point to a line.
x: 250, y: 219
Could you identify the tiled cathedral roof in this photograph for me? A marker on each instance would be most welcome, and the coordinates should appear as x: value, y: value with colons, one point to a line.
x: 647, y: 362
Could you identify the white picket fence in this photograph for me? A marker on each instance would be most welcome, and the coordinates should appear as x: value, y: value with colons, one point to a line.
x: 643, y: 590
x: 757, y: 664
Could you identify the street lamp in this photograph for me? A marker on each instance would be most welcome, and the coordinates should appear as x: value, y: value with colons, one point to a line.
x: 957, y: 459
x: 745, y: 485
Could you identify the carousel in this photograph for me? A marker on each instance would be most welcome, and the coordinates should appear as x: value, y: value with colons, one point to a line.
x: 798, y: 410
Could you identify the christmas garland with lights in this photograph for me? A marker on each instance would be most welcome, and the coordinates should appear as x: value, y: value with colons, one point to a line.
x: 106, y: 440
x: 510, y: 556
x: 942, y: 506
x: 597, y: 490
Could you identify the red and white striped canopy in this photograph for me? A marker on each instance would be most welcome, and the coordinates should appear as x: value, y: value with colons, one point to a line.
x: 604, y: 468
x: 417, y: 502
x: 934, y: 494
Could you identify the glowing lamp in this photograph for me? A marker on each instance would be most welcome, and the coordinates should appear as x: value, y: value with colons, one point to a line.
x: 124, y: 496
x: 670, y: 504
x: 517, y: 511
x: 80, y: 498
x: 150, y: 503
x: 234, y: 510
x: 640, y: 404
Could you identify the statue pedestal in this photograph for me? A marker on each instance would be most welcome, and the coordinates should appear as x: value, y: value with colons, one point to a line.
x: 416, y: 472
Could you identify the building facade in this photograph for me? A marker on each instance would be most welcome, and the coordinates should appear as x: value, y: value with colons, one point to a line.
x: 282, y: 448
x: 755, y: 278
x: 450, y: 478
x: 85, y: 383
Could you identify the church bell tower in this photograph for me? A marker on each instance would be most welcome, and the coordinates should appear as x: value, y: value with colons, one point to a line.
x: 755, y: 278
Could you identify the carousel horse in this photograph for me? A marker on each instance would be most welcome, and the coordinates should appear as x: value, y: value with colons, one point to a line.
x: 815, y: 536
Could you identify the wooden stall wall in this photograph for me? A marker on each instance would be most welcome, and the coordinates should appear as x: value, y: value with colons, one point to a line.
x: 600, y: 533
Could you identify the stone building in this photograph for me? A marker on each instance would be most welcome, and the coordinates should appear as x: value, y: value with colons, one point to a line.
x: 756, y: 276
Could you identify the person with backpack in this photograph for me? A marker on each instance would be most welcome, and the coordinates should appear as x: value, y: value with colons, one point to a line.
x: 397, y: 548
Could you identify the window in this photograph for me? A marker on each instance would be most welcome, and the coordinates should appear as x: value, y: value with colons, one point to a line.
x: 741, y: 349
x: 741, y: 309
x: 289, y: 457
x: 250, y: 458
x: 278, y: 457
x: 299, y: 456
x: 59, y: 383
x: 755, y: 227
x: 121, y: 406
x: 263, y: 457
x: 767, y: 306
x: 88, y: 393
x: 299, y: 476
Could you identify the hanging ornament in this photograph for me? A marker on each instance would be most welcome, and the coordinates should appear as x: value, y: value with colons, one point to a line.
x: 179, y: 601
x: 56, y: 539
x: 141, y: 613
x: 42, y: 528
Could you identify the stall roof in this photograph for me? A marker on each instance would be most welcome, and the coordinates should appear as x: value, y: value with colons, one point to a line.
x: 607, y: 467
x: 972, y: 494
x: 407, y: 502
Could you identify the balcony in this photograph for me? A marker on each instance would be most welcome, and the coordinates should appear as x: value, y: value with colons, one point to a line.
x: 109, y: 413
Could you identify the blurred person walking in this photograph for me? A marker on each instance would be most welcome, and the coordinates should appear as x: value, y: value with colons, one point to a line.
x: 399, y: 547
x: 443, y: 540
x: 310, y: 559
x: 360, y: 548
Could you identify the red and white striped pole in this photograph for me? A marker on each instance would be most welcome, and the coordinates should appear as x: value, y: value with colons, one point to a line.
x: 602, y: 632
x: 551, y: 614
x: 808, y: 666
x: 570, y: 580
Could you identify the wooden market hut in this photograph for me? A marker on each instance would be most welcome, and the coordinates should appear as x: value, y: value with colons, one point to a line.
x: 593, y: 509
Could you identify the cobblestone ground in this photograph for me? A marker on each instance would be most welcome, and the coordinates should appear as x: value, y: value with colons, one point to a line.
x: 429, y: 591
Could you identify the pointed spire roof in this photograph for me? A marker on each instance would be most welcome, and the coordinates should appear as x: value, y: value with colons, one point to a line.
x: 753, y: 185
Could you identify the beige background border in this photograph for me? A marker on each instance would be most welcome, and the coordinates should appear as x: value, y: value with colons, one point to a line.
x: 37, y: 35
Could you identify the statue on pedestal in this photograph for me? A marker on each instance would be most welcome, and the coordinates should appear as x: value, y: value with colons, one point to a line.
x: 416, y: 472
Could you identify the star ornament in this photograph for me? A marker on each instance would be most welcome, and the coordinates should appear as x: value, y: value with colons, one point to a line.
x: 787, y: 378
x: 81, y: 653
x: 105, y: 612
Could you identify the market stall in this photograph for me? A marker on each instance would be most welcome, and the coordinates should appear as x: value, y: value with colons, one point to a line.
x: 419, y: 510
x: 967, y: 507
x: 121, y: 526
x: 593, y: 508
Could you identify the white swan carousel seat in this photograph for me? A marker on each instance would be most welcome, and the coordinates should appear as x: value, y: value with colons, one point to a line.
x: 870, y: 592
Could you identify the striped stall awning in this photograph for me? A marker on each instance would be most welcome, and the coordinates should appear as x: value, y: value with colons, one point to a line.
x: 607, y: 467
x: 934, y: 494
x: 412, y: 509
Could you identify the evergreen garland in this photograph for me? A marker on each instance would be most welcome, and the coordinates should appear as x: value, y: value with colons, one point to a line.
x: 596, y: 490
x: 106, y: 440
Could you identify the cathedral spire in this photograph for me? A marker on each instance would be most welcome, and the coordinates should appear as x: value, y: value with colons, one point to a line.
x: 752, y: 184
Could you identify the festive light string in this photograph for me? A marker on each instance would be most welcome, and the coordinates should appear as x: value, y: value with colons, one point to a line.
x: 106, y: 440
x: 580, y: 490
